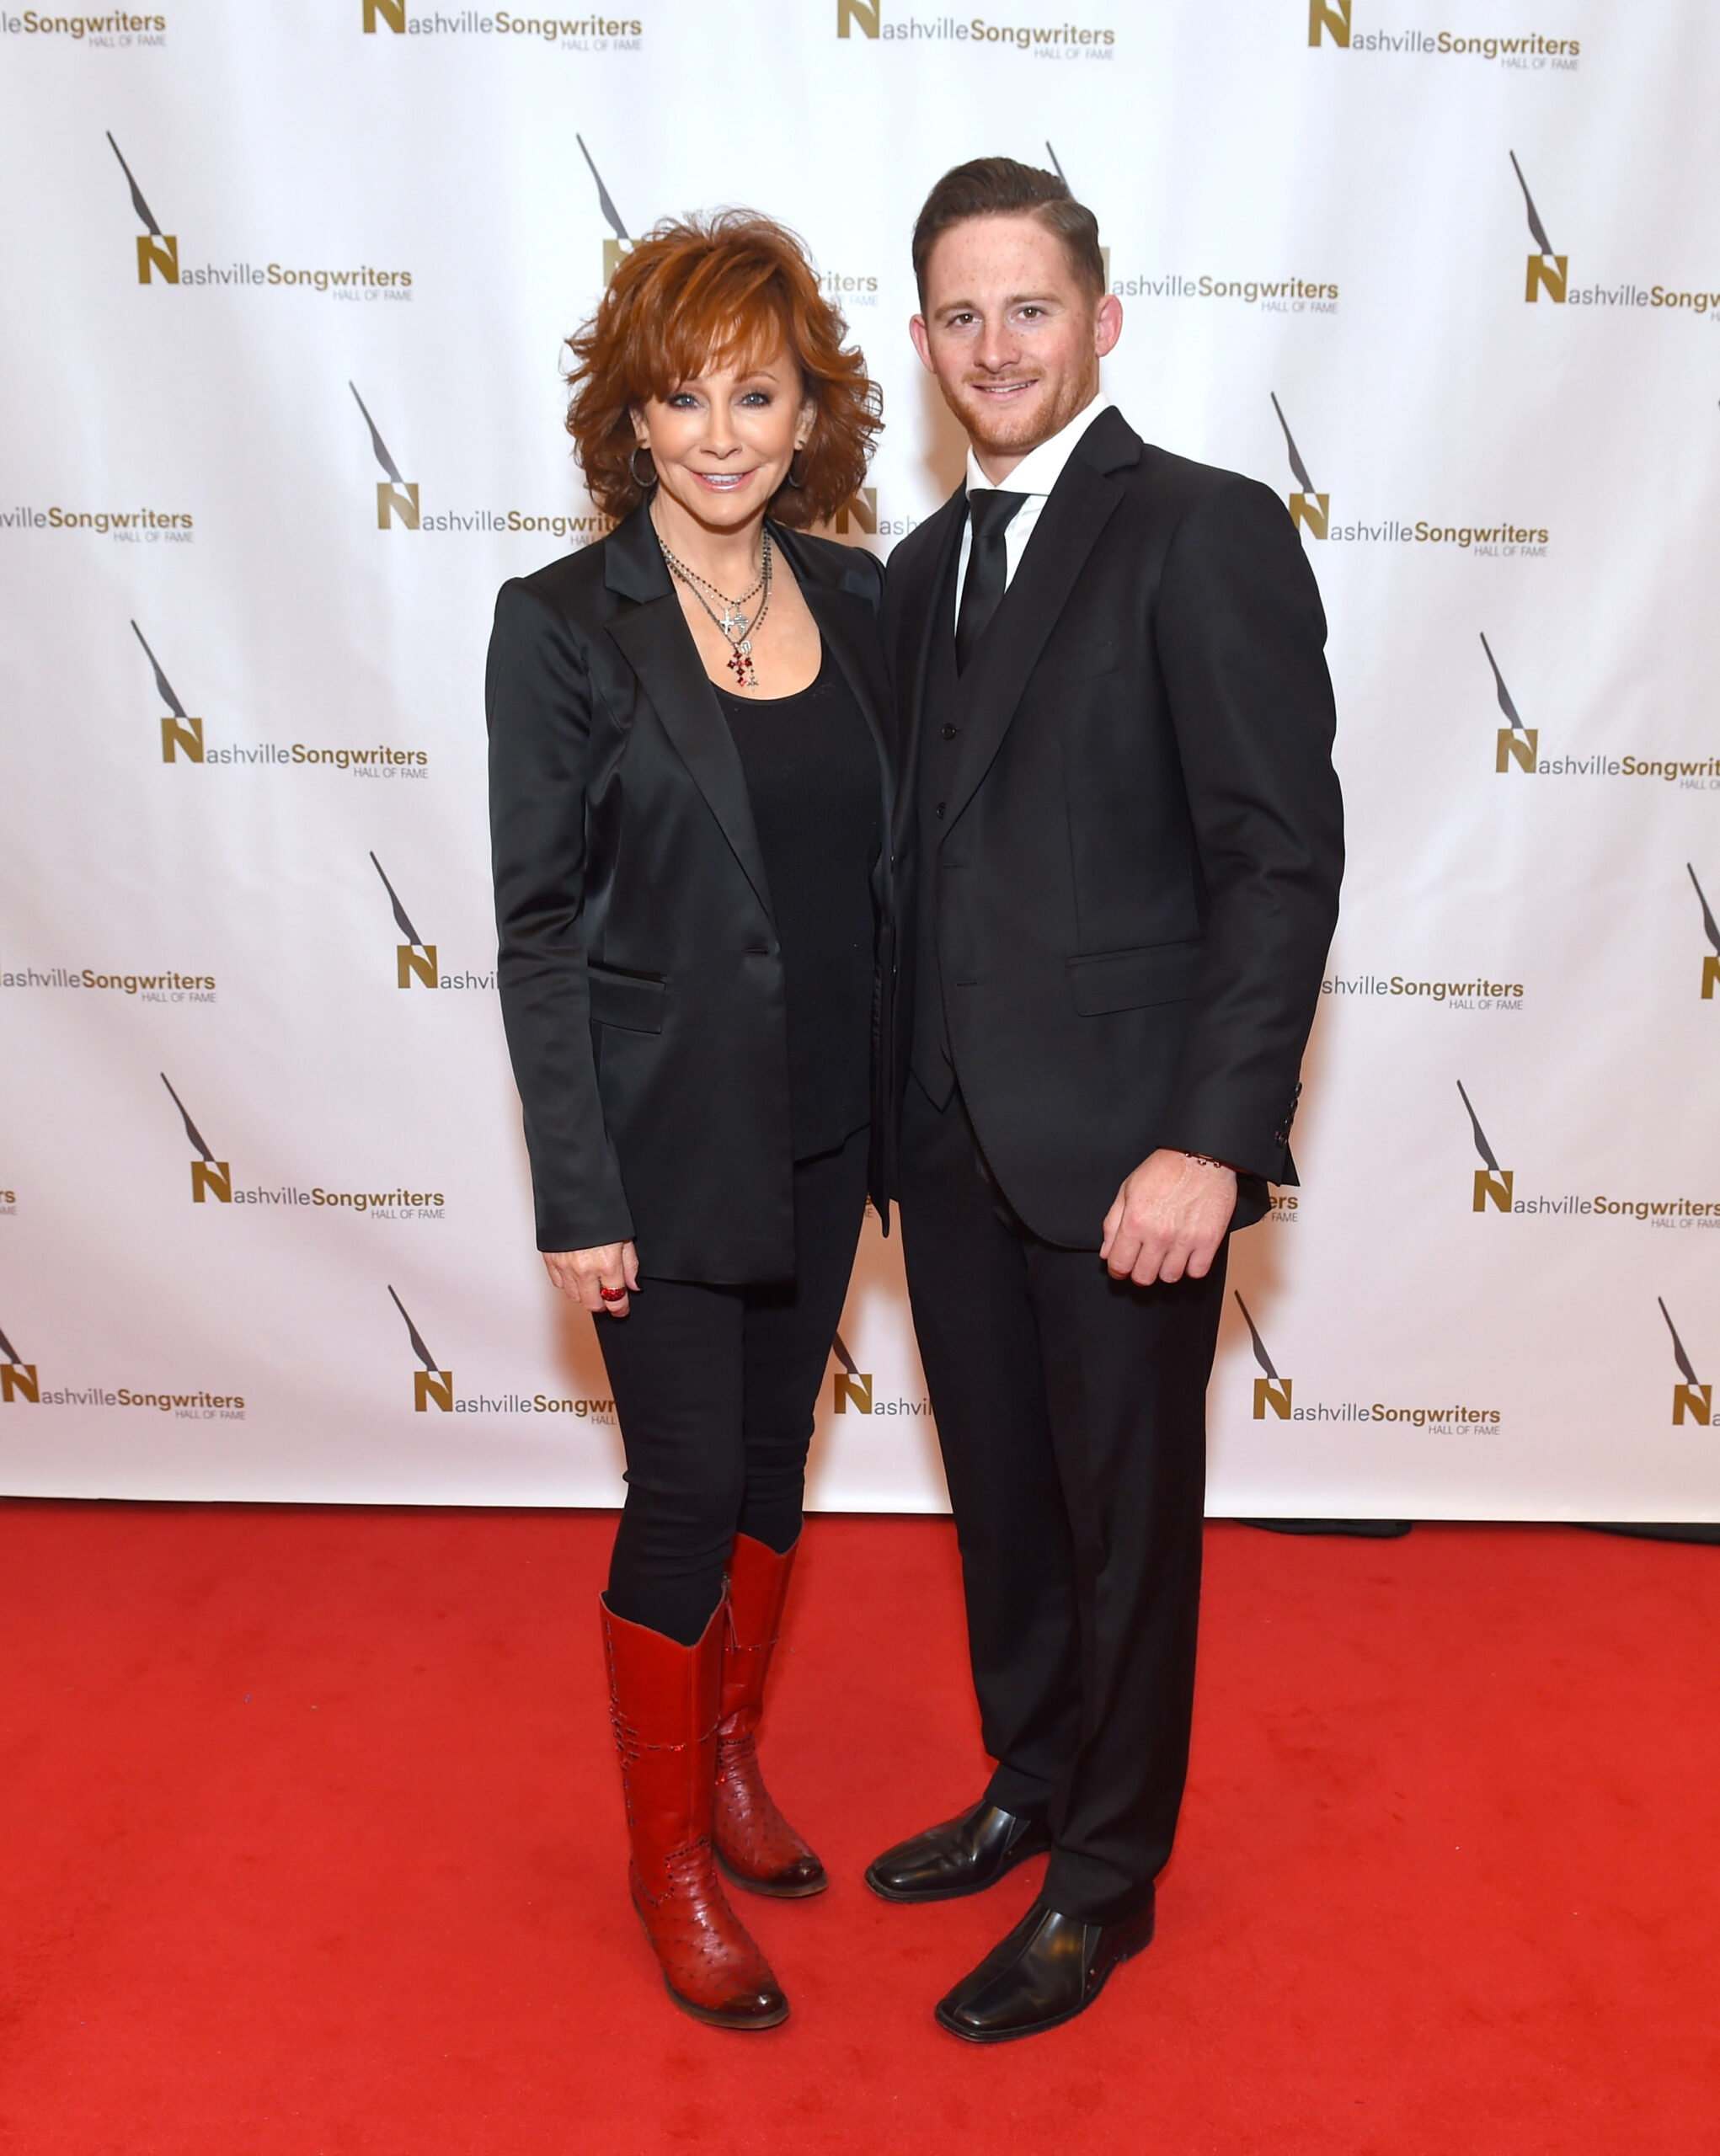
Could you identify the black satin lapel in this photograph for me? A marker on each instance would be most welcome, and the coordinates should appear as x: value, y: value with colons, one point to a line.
x: 1081, y: 506
x: 659, y: 646
x: 849, y: 627
x: 920, y: 622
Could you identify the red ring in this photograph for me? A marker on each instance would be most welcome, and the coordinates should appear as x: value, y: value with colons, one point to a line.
x: 613, y: 1295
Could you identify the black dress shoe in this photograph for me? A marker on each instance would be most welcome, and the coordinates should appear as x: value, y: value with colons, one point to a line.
x: 1050, y: 1969
x: 962, y: 1856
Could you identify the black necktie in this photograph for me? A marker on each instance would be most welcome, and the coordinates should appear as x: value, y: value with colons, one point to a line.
x: 990, y: 509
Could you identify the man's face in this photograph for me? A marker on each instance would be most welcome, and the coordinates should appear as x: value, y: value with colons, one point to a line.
x: 1012, y: 336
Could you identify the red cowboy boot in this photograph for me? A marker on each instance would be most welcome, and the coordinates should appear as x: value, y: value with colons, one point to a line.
x: 664, y: 1699
x: 755, y: 1845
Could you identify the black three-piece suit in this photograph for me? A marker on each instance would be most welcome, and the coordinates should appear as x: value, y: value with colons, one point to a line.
x: 1119, y: 843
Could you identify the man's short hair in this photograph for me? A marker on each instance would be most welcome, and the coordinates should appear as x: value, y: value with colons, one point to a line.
x: 999, y: 187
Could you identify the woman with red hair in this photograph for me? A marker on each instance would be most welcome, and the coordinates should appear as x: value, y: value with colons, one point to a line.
x: 690, y: 807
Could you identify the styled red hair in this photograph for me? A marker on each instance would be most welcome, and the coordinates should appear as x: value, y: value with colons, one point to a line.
x: 729, y: 291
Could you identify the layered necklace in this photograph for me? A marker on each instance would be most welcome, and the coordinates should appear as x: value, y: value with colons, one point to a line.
x: 735, y: 626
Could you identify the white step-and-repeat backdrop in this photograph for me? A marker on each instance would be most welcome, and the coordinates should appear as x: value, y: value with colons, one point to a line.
x: 287, y: 286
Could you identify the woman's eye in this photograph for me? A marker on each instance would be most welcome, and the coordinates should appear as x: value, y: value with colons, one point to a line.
x: 757, y: 396
x: 683, y: 400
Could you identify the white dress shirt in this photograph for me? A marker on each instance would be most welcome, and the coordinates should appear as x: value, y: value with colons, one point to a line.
x: 1035, y: 476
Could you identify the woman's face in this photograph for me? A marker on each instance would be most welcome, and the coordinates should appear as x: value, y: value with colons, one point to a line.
x: 723, y: 442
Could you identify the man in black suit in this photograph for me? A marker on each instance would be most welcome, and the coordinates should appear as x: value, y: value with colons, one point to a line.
x: 1119, y: 842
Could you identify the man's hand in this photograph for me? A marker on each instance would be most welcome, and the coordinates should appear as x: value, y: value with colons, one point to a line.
x: 1169, y: 1219
x: 582, y: 1275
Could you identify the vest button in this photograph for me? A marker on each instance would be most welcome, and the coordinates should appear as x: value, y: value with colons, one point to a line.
x: 950, y: 733
x: 938, y: 812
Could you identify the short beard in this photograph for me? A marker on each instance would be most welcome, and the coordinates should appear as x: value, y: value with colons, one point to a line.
x: 1024, y: 438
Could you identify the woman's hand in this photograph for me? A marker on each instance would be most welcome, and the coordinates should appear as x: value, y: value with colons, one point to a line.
x: 583, y: 1274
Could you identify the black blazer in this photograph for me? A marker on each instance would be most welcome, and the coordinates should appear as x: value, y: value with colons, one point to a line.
x: 640, y: 973
x: 1136, y: 879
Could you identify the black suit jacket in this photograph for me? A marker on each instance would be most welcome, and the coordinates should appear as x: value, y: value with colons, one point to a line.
x: 1136, y: 878
x: 640, y: 972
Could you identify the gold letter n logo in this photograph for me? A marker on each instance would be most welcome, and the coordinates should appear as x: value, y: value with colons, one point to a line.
x: 1548, y: 269
x: 1517, y: 745
x: 1323, y: 15
x: 856, y: 1388
x: 865, y: 14
x: 392, y: 12
x: 863, y: 507
x: 212, y: 1176
x: 432, y: 1385
x: 1312, y: 510
x: 410, y: 959
x: 1492, y: 1187
x: 394, y: 501
x: 176, y: 733
x: 1711, y: 976
x: 1696, y: 1400
x: 18, y: 1381
x: 1275, y: 1394
x: 161, y: 251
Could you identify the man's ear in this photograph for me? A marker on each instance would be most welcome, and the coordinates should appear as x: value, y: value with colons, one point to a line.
x: 922, y: 341
x: 1108, y: 324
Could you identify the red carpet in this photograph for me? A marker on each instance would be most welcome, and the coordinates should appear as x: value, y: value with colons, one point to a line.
x: 311, y: 1843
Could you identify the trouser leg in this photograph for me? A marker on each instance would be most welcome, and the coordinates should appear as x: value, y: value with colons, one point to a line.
x: 715, y: 1390
x: 786, y: 1341
x: 674, y: 1363
x: 979, y: 1336
x: 1125, y: 1372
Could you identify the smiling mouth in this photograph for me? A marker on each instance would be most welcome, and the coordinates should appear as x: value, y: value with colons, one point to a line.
x: 1001, y: 389
x: 723, y: 483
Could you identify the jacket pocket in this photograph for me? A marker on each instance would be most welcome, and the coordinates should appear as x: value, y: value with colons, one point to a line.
x: 1088, y: 664
x: 633, y: 1001
x: 1131, y: 980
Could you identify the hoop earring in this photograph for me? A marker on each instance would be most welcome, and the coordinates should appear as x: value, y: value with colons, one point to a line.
x: 791, y: 481
x: 633, y: 465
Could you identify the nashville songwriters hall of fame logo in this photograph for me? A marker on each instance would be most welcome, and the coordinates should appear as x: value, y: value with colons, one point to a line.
x: 178, y: 730
x: 1515, y: 744
x: 613, y: 249
x: 157, y: 250
x: 1270, y: 1390
x: 1547, y: 272
x: 852, y: 1386
x: 1493, y: 1184
x: 1310, y: 512
x: 430, y: 1385
x: 415, y: 960
x: 1691, y: 1400
x: 1710, y: 958
x: 18, y: 1379
x: 395, y: 496
x: 209, y: 1177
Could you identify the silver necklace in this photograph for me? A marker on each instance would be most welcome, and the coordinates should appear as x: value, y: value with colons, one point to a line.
x: 732, y: 623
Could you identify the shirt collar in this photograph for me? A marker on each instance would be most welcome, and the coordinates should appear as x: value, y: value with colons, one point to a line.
x: 1041, y: 468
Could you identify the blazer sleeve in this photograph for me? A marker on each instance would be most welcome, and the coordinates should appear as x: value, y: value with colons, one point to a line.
x: 1240, y: 635
x: 537, y: 696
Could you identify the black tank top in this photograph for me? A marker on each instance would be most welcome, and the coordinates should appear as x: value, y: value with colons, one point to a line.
x: 812, y: 774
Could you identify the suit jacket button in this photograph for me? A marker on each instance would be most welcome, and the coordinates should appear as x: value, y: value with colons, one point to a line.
x: 950, y: 732
x: 938, y: 812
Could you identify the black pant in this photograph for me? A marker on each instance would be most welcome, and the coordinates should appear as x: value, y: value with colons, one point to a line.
x: 714, y: 1390
x: 1071, y: 1409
